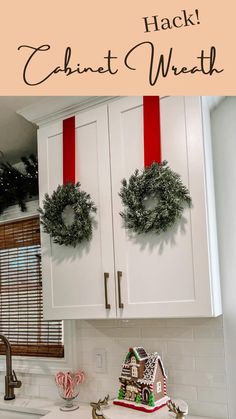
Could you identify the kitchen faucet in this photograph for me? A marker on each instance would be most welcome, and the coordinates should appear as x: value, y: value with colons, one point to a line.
x: 11, y: 381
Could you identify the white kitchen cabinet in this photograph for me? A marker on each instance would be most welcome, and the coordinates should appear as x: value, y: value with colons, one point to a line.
x: 174, y: 274
x: 73, y: 278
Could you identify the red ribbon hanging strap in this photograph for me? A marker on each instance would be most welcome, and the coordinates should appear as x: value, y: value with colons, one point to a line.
x: 69, y: 150
x: 152, y: 130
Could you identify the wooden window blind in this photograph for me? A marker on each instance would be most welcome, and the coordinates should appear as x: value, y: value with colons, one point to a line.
x: 21, y: 299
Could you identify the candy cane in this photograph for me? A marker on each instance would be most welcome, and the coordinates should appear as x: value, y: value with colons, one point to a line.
x: 68, y: 389
x: 68, y: 381
x: 60, y: 378
x: 79, y: 377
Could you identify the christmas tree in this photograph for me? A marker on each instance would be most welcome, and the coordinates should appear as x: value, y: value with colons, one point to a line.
x: 138, y: 398
x: 121, y: 394
x: 151, y: 400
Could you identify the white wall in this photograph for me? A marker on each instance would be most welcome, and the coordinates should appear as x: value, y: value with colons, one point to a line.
x: 224, y: 153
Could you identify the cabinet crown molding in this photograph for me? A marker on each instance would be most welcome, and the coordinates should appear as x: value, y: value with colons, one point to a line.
x: 50, y: 109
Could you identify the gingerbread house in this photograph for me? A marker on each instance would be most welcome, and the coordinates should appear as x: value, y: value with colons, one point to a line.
x: 143, y: 381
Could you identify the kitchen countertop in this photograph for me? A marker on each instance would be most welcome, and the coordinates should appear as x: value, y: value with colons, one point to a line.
x: 84, y: 412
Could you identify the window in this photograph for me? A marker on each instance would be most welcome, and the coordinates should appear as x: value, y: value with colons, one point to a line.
x: 159, y: 387
x: 133, y: 360
x: 21, y: 300
x: 134, y: 372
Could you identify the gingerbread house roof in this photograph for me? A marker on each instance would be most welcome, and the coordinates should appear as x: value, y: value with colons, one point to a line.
x: 150, y: 370
x: 140, y: 353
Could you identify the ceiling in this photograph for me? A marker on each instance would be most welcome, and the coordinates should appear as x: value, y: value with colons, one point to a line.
x: 18, y: 137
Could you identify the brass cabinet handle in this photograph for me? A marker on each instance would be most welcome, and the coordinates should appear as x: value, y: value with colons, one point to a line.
x: 119, y: 276
x: 107, y: 305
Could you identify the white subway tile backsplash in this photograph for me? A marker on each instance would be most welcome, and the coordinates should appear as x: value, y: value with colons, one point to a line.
x: 163, y: 333
x: 36, y: 379
x: 175, y: 362
x: 212, y: 322
x: 192, y: 351
x: 210, y: 364
x: 212, y: 395
x: 28, y: 390
x: 212, y: 410
x: 49, y: 392
x: 208, y: 333
x: 183, y: 392
x: 197, y: 378
x: 196, y: 348
x: 109, y: 332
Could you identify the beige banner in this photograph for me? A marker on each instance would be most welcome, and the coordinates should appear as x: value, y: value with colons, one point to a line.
x: 120, y: 47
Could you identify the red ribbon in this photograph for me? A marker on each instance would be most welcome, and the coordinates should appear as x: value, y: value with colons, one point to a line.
x: 152, y: 138
x: 69, y: 150
x: 152, y: 130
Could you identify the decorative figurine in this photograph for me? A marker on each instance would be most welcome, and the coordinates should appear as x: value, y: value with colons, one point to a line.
x: 143, y: 381
x: 97, y: 406
x: 176, y: 409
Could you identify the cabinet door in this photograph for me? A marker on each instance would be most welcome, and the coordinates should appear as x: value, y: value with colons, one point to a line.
x: 73, y: 278
x: 164, y: 275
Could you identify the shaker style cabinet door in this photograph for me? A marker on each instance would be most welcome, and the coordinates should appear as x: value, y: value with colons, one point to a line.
x: 75, y: 279
x: 166, y: 275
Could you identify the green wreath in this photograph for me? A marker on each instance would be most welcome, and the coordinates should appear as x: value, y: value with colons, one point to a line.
x: 155, y: 183
x: 80, y: 229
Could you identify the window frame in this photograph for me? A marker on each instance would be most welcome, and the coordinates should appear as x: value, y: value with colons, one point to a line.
x: 158, y: 387
x: 41, y: 365
x: 134, y: 371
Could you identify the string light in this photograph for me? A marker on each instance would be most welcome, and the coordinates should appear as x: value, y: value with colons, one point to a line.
x: 15, y: 186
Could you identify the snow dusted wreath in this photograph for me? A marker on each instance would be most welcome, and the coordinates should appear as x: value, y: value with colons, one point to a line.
x: 68, y: 196
x: 156, y: 184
